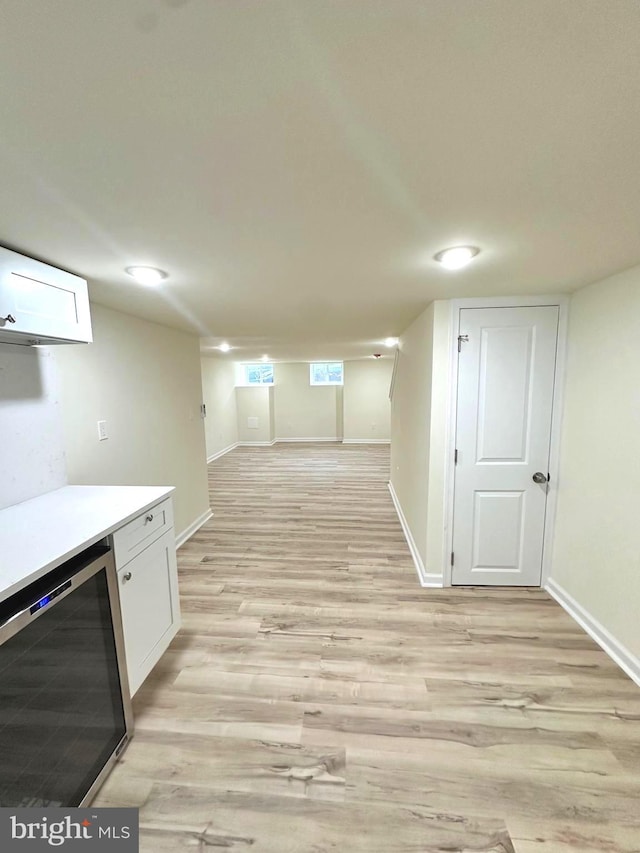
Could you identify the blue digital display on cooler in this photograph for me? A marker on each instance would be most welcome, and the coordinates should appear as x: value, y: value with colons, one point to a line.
x: 48, y: 598
x: 40, y: 604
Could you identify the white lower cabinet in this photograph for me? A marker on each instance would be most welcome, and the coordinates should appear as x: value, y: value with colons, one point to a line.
x: 148, y: 585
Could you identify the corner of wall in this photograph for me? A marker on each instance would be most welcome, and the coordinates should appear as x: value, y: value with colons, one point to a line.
x: 625, y: 659
x: 339, y: 412
x: 425, y: 578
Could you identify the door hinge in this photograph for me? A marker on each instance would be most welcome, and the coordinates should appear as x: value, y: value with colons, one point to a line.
x: 455, y: 456
x: 462, y: 339
x: 452, y: 558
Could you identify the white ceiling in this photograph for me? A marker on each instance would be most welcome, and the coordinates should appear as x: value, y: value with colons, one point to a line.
x: 294, y: 165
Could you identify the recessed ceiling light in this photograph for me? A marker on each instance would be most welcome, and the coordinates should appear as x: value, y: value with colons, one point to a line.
x: 456, y: 257
x: 147, y: 275
x: 391, y: 342
x: 265, y: 358
x: 224, y: 347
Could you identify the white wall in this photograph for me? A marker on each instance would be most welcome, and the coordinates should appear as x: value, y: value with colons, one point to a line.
x: 410, y: 426
x: 219, y: 395
x: 31, y: 437
x: 293, y: 409
x: 419, y: 412
x: 367, y: 411
x: 438, y: 436
x: 302, y: 410
x: 596, y: 556
x: 144, y: 380
x: 339, y: 412
x: 272, y: 413
x: 254, y: 402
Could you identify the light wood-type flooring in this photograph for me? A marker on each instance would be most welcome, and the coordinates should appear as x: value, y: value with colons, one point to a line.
x: 317, y: 699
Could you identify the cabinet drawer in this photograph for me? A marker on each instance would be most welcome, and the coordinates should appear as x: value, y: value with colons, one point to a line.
x: 134, y: 537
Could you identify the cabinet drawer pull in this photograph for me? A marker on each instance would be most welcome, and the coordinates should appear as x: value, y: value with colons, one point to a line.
x: 126, y: 577
x: 8, y: 319
x: 150, y: 517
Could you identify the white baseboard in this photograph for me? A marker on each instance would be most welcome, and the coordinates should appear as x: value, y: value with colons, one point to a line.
x: 616, y: 651
x: 366, y: 441
x: 221, y: 452
x: 308, y: 440
x: 427, y: 579
x: 192, y: 528
x: 312, y: 440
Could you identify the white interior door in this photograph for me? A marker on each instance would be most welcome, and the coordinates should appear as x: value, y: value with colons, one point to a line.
x: 506, y: 374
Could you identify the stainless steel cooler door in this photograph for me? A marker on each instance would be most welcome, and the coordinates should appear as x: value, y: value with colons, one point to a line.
x: 62, y: 711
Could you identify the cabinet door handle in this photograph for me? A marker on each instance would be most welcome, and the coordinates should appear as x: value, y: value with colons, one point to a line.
x: 150, y: 517
x: 8, y: 319
x: 126, y: 577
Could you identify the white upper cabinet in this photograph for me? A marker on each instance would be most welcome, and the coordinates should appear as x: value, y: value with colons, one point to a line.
x: 40, y: 304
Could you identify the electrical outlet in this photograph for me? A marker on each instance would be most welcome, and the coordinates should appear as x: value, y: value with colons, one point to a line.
x: 102, y: 431
x: 253, y: 423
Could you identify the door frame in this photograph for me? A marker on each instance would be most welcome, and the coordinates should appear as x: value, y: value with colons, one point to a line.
x: 561, y: 302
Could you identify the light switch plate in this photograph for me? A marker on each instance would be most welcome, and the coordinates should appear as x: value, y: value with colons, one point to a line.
x: 102, y: 431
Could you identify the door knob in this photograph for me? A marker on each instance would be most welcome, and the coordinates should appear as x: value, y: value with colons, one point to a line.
x: 539, y: 477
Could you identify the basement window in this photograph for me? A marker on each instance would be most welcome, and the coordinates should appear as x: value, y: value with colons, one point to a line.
x: 257, y: 374
x: 326, y: 373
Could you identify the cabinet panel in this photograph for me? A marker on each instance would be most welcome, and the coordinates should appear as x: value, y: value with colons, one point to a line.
x: 150, y: 606
x: 40, y: 303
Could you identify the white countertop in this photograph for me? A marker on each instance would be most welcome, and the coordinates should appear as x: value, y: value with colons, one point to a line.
x: 40, y: 534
